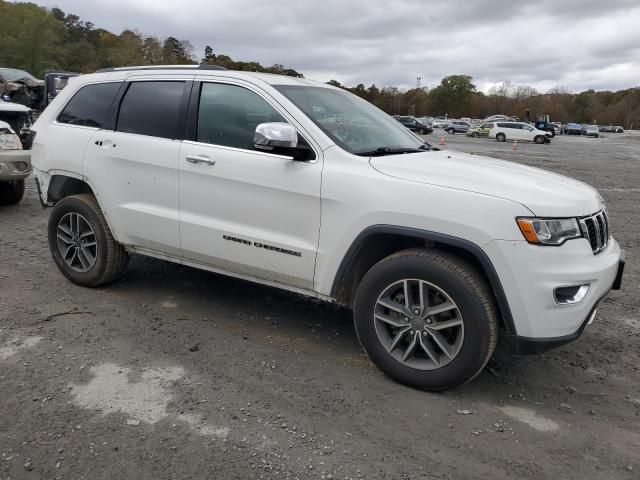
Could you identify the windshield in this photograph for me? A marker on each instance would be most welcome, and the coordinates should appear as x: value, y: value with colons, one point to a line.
x: 351, y: 122
x: 13, y: 74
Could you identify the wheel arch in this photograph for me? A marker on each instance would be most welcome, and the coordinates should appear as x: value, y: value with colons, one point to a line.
x: 379, y: 241
x: 61, y: 186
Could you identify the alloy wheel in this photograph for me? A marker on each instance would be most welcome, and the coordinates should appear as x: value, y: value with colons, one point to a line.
x: 419, y: 324
x: 77, y: 243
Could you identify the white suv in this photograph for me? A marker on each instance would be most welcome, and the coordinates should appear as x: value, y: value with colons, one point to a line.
x: 503, y: 131
x: 306, y: 187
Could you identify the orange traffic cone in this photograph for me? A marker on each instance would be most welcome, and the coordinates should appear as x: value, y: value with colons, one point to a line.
x: 443, y: 141
x: 514, y: 146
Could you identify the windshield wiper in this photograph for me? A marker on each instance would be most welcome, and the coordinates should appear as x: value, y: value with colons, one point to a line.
x: 379, y: 152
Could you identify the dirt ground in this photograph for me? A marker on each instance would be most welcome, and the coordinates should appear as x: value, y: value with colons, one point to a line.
x: 175, y: 373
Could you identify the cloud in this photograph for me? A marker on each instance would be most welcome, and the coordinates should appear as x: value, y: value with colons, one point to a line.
x: 579, y: 44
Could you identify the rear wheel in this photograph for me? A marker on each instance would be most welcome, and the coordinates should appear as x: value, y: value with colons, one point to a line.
x: 81, y: 242
x: 426, y: 319
x: 11, y: 192
x: 451, y: 131
x: 501, y: 137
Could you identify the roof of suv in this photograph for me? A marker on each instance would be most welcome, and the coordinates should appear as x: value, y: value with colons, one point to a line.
x: 125, y: 72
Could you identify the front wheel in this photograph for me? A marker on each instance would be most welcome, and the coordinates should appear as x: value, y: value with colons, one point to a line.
x: 539, y: 139
x: 11, y: 192
x: 426, y: 319
x: 475, y: 135
x: 422, y: 131
x: 501, y: 137
x: 81, y: 242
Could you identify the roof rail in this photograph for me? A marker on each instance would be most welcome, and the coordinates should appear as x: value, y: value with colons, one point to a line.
x: 161, y: 67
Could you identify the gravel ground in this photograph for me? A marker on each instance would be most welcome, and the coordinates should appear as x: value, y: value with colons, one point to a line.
x: 175, y: 373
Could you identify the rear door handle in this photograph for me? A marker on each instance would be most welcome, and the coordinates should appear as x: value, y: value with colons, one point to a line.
x: 200, y: 159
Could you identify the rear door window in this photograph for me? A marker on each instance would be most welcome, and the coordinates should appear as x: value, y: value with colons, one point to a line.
x: 89, y: 106
x: 152, y: 108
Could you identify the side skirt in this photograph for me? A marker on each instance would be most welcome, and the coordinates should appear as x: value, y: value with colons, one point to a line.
x: 189, y: 263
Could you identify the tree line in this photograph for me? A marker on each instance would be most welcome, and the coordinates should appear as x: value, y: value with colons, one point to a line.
x: 37, y: 39
x: 456, y: 96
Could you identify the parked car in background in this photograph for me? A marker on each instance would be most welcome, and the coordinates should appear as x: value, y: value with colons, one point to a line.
x: 457, y: 126
x: 426, y: 120
x: 414, y: 125
x: 591, y: 131
x: 495, y: 118
x: 439, y: 122
x: 15, y: 165
x: 573, y: 129
x: 611, y: 129
x: 503, y: 131
x: 480, y: 131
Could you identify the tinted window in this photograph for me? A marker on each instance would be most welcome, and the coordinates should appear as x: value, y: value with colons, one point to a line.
x: 151, y: 108
x: 228, y: 115
x: 90, y: 104
x: 487, y: 125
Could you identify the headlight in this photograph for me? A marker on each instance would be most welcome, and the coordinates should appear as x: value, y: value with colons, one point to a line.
x: 8, y: 141
x: 549, y: 231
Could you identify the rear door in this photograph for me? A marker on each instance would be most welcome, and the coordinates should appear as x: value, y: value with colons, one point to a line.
x: 135, y: 166
x: 241, y: 210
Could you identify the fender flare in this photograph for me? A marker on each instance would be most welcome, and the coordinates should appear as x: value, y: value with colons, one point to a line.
x: 471, y: 248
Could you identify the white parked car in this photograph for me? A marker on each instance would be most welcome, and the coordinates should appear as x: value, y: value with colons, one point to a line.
x: 249, y: 175
x: 521, y: 131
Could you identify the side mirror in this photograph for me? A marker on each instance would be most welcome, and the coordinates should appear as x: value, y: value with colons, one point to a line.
x: 270, y: 136
x: 281, y: 138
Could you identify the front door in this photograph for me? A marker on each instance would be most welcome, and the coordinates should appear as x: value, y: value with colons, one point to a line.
x: 242, y: 210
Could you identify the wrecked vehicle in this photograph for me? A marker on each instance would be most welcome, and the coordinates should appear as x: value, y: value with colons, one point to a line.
x: 19, y: 118
x: 21, y: 87
x: 15, y: 165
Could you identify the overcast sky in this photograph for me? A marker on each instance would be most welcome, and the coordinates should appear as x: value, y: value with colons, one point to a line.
x: 579, y: 44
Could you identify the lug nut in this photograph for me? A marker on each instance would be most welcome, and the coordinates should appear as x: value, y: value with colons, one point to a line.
x: 406, y: 319
x: 416, y: 311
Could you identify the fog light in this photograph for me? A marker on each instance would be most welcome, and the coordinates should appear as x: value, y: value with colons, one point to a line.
x: 570, y: 295
x: 21, y: 166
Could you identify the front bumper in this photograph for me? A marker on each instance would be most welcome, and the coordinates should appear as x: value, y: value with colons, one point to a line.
x: 530, y: 274
x: 12, y: 164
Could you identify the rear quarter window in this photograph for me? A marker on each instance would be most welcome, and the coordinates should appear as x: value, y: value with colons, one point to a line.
x: 89, y: 106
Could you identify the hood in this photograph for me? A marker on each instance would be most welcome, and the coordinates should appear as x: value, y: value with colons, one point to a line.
x: 546, y: 194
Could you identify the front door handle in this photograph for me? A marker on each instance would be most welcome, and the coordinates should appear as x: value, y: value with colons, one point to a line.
x: 200, y: 159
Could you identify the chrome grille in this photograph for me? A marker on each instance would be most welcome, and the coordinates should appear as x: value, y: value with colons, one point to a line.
x: 595, y: 229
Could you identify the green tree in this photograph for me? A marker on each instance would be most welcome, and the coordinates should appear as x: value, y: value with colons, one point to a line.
x: 453, y: 95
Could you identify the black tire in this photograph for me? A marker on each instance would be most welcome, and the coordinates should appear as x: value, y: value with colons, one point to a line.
x: 422, y: 131
x: 475, y: 135
x: 539, y: 139
x: 464, y: 286
x: 111, y: 259
x: 451, y: 131
x: 501, y: 137
x: 11, y: 192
